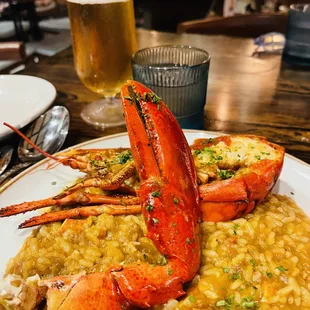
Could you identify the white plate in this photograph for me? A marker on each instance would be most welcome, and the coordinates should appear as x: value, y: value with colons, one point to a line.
x: 36, y: 183
x: 22, y: 99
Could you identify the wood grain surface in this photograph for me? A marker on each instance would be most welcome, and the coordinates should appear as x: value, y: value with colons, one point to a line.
x: 248, y: 94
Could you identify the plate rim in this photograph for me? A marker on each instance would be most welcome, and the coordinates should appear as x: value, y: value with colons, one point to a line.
x: 45, y: 160
x: 7, y: 131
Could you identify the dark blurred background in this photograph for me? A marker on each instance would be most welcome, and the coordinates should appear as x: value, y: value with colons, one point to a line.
x: 159, y: 15
x: 42, y: 26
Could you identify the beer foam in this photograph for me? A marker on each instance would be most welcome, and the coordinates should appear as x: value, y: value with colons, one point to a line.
x: 96, y: 1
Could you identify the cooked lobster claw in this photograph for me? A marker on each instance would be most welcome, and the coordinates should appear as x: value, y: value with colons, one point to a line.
x: 168, y: 195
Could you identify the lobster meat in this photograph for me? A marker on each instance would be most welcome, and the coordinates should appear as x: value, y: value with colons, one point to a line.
x: 242, y: 169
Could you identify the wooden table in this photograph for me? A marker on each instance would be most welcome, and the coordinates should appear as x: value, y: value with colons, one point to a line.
x: 249, y: 95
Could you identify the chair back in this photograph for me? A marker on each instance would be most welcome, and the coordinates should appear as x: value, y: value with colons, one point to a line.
x: 12, y: 51
x: 240, y: 26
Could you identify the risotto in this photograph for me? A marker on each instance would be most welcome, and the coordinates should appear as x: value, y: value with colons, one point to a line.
x: 261, y: 261
x: 90, y: 245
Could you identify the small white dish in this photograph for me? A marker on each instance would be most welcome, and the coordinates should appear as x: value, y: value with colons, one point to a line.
x: 22, y: 99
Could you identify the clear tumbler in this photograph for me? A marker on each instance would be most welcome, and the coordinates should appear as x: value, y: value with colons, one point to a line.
x: 179, y: 75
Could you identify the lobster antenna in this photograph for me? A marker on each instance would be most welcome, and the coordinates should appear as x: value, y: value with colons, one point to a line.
x: 30, y: 142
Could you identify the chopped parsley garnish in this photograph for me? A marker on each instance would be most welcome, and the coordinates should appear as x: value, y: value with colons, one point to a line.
x: 248, y: 303
x: 281, y: 268
x: 129, y: 98
x: 226, y: 174
x: 146, y: 96
x: 155, y: 99
x: 145, y: 257
x: 54, y: 183
x: 257, y: 157
x: 226, y: 270
x: 235, y: 233
x: 175, y: 201
x: 221, y: 303
x: 151, y: 97
x: 124, y: 157
x: 252, y: 261
x: 192, y: 298
x: 235, y: 276
x: 209, y: 141
x: 227, y: 303
x: 269, y: 274
x: 149, y: 208
x: 292, y: 193
x: 155, y: 194
x: 97, y: 163
x: 236, y: 226
x: 170, y: 272
x: 155, y: 220
x: 188, y: 241
x: 163, y: 261
x: 209, y: 150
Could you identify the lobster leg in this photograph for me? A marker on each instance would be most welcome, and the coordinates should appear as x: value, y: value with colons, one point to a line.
x: 112, y: 183
x: 78, y: 197
x: 51, y: 217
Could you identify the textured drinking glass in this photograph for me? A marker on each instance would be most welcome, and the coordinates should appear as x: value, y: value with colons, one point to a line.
x: 297, y: 45
x: 179, y: 75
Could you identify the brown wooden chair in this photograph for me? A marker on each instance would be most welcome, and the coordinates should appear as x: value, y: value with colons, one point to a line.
x: 240, y: 26
x: 12, y: 51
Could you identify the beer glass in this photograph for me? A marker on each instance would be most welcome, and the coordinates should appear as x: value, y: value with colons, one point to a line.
x: 104, y: 38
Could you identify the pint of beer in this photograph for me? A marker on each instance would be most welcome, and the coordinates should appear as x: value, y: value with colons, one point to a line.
x: 104, y: 38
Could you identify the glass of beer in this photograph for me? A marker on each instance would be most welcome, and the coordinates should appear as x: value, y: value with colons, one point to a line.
x: 104, y: 39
